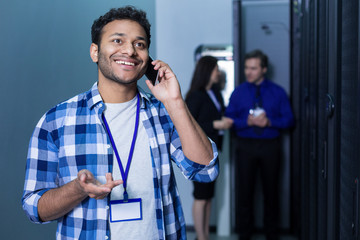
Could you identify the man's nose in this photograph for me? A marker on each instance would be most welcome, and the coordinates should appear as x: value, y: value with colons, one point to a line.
x: 128, y: 49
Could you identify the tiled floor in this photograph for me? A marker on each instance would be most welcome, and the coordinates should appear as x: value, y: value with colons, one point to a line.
x: 191, y: 236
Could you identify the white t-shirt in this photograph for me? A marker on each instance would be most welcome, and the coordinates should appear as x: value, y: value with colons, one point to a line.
x: 121, y: 120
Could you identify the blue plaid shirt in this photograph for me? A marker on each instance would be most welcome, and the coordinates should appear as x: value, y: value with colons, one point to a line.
x: 71, y: 137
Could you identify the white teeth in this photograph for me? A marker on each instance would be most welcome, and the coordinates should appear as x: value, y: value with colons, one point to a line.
x: 126, y: 63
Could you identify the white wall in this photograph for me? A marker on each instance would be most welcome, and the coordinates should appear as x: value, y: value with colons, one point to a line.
x: 181, y: 26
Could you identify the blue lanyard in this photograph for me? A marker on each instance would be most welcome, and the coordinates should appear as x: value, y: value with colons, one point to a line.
x: 125, y: 173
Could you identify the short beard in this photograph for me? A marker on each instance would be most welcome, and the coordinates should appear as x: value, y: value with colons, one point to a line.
x: 104, y: 66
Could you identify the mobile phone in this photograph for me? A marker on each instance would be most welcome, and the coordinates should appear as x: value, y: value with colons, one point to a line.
x: 151, y: 73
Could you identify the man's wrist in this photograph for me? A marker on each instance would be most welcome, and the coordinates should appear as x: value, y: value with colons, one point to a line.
x: 174, y: 105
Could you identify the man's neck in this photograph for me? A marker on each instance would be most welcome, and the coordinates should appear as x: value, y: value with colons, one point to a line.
x: 258, y: 82
x: 113, y: 92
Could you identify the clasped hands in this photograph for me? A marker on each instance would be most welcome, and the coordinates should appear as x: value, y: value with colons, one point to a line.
x: 259, y: 121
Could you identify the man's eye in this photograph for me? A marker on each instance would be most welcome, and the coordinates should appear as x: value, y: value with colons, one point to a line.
x: 140, y: 45
x: 117, y: 41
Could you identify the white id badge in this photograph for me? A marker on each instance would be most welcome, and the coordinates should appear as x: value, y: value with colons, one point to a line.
x: 125, y: 211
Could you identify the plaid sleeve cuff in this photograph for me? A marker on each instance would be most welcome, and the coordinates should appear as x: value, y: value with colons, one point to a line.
x: 199, y: 172
x: 30, y: 206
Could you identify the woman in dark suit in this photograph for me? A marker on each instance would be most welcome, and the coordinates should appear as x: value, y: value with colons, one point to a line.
x: 207, y: 107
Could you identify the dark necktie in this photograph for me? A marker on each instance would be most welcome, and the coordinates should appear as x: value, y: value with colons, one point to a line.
x: 258, y: 100
x: 258, y: 104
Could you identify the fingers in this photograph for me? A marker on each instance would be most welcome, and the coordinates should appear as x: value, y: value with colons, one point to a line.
x: 94, y: 188
x: 108, y: 177
x: 149, y: 84
x: 260, y: 121
x: 95, y: 191
x: 85, y: 176
x: 110, y: 182
x: 228, y: 121
x: 158, y: 64
x: 162, y: 67
x: 262, y: 115
x: 82, y: 177
x: 109, y: 185
x: 98, y: 192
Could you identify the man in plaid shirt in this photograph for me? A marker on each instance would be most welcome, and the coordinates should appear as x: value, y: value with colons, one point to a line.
x: 80, y: 148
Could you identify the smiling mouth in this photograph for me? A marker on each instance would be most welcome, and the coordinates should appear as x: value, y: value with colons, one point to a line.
x: 125, y: 63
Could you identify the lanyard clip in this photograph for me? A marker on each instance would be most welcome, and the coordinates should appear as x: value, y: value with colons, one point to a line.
x: 126, y: 197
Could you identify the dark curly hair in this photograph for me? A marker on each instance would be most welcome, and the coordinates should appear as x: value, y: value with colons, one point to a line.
x: 124, y: 13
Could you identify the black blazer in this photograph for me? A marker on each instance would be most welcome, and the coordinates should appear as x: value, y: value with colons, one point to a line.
x: 205, y: 112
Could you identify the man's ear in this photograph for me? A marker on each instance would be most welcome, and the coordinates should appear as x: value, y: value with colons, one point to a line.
x: 94, y: 52
x: 264, y: 70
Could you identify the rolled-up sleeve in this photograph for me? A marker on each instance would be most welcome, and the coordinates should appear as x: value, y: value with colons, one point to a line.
x: 191, y: 170
x: 41, y: 169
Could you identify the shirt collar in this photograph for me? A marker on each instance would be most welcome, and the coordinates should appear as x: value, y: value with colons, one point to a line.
x: 93, y: 96
x: 262, y: 84
x: 144, y: 95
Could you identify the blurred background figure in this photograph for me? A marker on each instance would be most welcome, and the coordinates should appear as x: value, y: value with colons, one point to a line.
x: 260, y: 109
x: 206, y: 104
x: 220, y: 85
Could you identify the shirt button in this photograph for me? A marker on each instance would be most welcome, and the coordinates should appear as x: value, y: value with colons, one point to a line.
x: 108, y: 146
x: 107, y: 207
x: 106, y: 237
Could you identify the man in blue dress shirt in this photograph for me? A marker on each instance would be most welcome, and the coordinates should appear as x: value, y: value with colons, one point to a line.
x: 260, y: 110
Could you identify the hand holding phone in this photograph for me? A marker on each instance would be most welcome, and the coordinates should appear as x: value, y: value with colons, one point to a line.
x: 151, y: 73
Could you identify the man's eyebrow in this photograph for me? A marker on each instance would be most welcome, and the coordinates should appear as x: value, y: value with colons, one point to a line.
x: 123, y: 34
x: 118, y: 34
